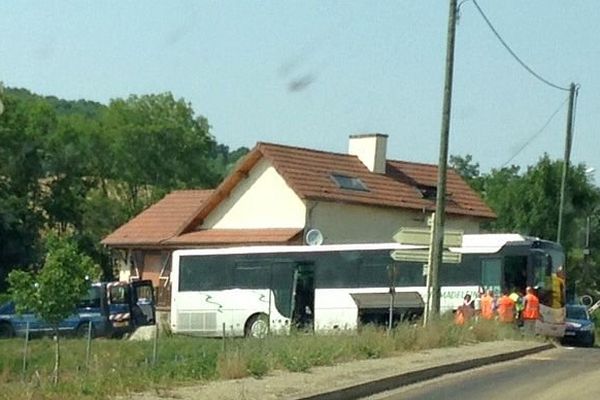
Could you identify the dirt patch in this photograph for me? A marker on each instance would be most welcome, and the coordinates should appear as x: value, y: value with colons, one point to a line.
x: 296, y: 385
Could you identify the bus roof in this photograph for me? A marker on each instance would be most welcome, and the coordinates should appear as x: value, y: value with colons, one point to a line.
x: 489, y: 243
x: 472, y: 243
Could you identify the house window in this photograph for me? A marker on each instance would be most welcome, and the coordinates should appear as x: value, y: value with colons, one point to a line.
x: 349, y: 182
x: 428, y: 192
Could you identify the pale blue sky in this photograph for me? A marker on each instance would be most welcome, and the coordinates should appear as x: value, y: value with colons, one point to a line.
x: 361, y: 66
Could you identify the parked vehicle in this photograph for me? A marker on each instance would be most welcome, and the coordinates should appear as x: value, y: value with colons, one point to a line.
x: 580, y: 328
x: 113, y: 309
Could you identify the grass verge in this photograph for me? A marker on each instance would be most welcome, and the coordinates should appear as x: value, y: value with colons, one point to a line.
x: 121, y: 367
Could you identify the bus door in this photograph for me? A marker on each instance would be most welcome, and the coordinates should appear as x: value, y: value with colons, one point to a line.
x: 303, y: 299
x: 515, y: 273
x: 491, y: 274
x: 142, y: 304
x: 540, y: 276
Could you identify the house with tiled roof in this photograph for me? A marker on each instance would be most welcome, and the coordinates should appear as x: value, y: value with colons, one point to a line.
x: 277, y: 193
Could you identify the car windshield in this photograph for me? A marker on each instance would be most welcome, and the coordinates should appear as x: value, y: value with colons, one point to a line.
x: 119, y: 294
x: 577, y: 313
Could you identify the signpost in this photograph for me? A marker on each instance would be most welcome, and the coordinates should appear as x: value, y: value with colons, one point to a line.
x: 422, y: 237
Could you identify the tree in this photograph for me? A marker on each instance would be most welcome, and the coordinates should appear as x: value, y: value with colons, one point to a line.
x: 157, y: 144
x: 52, y: 293
x: 22, y: 129
x: 501, y: 190
x: 84, y: 168
x: 468, y: 169
x: 527, y: 202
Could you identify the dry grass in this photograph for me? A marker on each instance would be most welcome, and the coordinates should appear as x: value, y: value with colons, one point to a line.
x: 232, y: 365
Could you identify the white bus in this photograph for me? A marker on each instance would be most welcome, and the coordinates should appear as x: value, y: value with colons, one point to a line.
x: 247, y: 291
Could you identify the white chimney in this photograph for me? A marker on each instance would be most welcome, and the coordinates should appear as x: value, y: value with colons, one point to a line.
x: 371, y: 149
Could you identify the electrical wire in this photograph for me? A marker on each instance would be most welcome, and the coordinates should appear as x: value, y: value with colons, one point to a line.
x: 536, y: 134
x: 531, y: 71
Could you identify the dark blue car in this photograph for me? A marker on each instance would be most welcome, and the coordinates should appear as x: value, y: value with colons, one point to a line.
x: 113, y: 309
x: 580, y: 328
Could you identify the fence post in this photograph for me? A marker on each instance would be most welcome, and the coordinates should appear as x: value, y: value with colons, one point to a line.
x: 224, y: 338
x: 88, y: 346
x: 25, y: 351
x: 155, y: 346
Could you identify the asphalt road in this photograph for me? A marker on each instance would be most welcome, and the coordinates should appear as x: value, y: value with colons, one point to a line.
x: 562, y: 373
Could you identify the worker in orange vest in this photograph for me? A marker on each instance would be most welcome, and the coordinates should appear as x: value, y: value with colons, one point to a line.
x: 459, y: 316
x: 531, y: 310
x: 487, y: 305
x: 465, y: 311
x: 506, y: 308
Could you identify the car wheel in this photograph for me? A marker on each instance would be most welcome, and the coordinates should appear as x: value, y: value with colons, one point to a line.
x: 257, y: 326
x: 6, y: 330
x: 83, y: 329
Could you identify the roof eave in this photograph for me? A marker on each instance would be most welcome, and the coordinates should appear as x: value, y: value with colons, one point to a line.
x: 222, y: 191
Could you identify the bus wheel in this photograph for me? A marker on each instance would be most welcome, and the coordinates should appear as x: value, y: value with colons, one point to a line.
x: 82, y: 330
x: 6, y: 330
x: 257, y: 326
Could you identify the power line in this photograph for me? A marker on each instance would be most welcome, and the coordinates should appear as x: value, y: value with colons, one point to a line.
x: 536, y: 134
x: 531, y: 71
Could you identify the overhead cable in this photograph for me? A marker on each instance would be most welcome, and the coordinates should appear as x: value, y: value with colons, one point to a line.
x: 536, y: 134
x: 531, y: 71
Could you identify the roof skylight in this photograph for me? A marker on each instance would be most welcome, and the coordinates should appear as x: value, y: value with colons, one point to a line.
x: 349, y: 182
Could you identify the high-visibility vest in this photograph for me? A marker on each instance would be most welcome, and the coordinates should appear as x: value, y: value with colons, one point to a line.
x: 487, y: 307
x: 514, y: 296
x: 532, y: 307
x: 459, y: 316
x: 506, y: 309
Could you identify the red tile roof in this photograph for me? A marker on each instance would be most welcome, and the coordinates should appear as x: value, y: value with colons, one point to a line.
x: 160, y: 221
x: 234, y: 236
x: 308, y: 173
x: 173, y: 220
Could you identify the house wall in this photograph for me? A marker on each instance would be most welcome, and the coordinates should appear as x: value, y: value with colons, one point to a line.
x: 263, y: 200
x: 345, y: 223
x: 153, y: 264
x: 123, y: 269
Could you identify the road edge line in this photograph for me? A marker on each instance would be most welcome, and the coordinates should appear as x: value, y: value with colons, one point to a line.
x: 408, y: 378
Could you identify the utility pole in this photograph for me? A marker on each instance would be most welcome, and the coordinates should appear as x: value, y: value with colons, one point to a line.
x: 566, y: 160
x: 427, y: 311
x: 440, y: 203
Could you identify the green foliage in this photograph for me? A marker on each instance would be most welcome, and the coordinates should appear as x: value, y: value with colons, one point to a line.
x: 468, y: 169
x: 22, y: 129
x: 176, y: 145
x: 84, y: 168
x: 53, y: 292
x: 86, y: 108
x: 257, y: 366
x: 528, y: 202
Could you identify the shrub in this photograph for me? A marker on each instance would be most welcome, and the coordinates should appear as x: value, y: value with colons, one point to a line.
x: 257, y: 366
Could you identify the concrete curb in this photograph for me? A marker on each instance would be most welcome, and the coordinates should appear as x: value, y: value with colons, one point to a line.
x: 396, y: 381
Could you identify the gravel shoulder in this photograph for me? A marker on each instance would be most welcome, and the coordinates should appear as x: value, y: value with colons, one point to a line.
x: 297, y: 385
